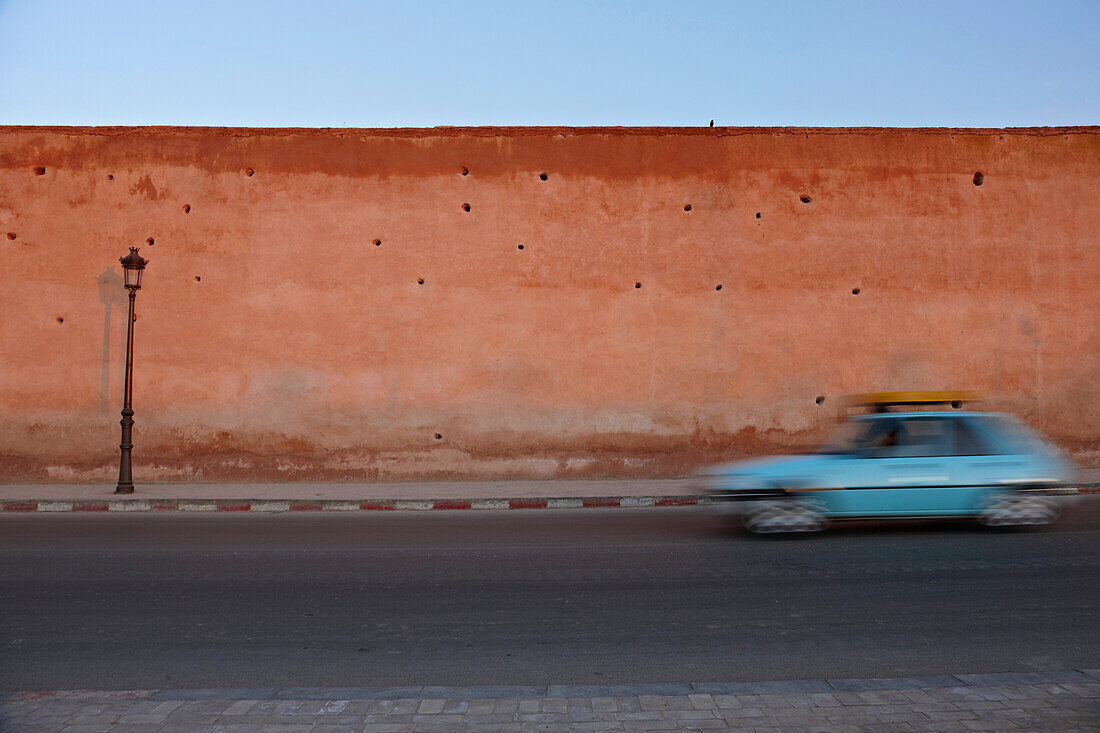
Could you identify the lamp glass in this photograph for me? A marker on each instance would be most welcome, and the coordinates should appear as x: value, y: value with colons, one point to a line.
x: 133, y: 276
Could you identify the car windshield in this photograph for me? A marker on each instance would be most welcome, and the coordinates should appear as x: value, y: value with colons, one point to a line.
x: 857, y: 436
x: 1010, y: 436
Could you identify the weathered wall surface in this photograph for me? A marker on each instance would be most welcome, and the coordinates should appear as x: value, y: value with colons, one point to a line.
x: 319, y: 304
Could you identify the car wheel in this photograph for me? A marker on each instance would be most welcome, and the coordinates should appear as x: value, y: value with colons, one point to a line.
x: 1017, y: 511
x: 770, y: 517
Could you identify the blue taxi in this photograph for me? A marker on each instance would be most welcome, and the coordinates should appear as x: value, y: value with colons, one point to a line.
x: 902, y: 460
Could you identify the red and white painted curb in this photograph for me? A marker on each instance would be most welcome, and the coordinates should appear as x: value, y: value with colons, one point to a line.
x: 373, y: 505
x: 337, y: 505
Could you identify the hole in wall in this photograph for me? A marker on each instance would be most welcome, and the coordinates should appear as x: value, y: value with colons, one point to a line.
x: 249, y: 172
x: 543, y: 176
x: 40, y: 171
x: 718, y: 286
x: 419, y: 281
x: 956, y: 405
x: 466, y: 207
x: 979, y: 179
x: 110, y: 177
x: 758, y: 215
x: 464, y: 171
x: 439, y: 436
x: 186, y: 208
x: 61, y: 319
x: 637, y: 285
x: 12, y: 235
x: 855, y: 291
x: 805, y: 199
x: 820, y: 399
x: 198, y: 279
x: 377, y: 243
x: 150, y: 241
x: 519, y: 246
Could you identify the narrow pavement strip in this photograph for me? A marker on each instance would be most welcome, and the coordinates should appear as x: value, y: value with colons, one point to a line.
x: 1048, y: 701
x: 318, y: 505
x: 375, y: 497
x: 352, y: 497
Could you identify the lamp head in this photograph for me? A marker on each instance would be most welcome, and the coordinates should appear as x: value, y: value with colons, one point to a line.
x: 133, y: 265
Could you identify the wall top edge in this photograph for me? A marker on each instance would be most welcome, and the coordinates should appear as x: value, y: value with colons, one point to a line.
x: 535, y: 131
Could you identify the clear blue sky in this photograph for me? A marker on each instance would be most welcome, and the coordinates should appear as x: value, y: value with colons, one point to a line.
x: 402, y: 63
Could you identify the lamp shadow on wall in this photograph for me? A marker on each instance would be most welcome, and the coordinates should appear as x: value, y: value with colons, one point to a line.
x: 110, y: 294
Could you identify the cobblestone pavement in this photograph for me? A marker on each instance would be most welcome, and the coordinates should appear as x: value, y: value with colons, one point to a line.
x: 1065, y: 701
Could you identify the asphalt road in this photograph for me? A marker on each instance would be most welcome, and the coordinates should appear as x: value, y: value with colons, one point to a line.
x: 540, y: 597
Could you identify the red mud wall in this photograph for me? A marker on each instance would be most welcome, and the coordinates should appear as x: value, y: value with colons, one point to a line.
x: 390, y: 304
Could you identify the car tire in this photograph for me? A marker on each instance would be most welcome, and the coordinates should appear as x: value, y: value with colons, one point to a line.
x: 783, y: 516
x: 1019, y: 511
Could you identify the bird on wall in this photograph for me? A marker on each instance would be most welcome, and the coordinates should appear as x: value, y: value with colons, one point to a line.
x: 712, y: 123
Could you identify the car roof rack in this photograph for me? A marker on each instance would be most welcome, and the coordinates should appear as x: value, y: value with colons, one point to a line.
x: 882, y: 401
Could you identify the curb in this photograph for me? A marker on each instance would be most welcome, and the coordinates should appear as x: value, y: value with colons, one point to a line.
x: 269, y: 506
x: 946, y: 681
x: 338, y: 505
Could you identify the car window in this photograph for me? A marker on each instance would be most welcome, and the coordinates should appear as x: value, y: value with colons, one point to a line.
x: 968, y: 442
x: 1008, y: 436
x: 856, y: 437
x: 920, y: 437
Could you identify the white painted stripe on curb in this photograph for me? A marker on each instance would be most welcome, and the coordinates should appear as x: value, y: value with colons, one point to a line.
x: 564, y: 503
x: 270, y: 506
x: 419, y: 506
x: 488, y: 503
x: 637, y: 501
x: 55, y: 506
x: 341, y: 506
x: 197, y: 506
x: 129, y: 506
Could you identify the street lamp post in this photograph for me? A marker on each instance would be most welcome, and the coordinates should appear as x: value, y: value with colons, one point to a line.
x: 132, y: 266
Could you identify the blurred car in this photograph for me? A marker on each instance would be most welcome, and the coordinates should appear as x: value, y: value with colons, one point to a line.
x: 900, y: 462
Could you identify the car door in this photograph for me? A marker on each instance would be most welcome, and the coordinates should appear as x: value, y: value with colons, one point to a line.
x: 987, y: 465
x: 909, y: 472
x: 857, y: 474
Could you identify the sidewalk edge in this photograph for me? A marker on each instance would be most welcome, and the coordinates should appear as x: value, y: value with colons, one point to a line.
x: 276, y: 506
x: 946, y: 681
x: 269, y: 506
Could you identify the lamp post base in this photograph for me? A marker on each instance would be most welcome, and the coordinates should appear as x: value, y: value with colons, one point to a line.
x: 125, y: 476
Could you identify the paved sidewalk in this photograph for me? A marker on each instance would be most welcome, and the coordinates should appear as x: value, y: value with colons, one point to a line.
x: 280, y: 497
x: 344, y: 497
x: 1059, y: 701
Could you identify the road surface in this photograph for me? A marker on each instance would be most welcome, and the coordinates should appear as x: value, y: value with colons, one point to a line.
x: 512, y: 597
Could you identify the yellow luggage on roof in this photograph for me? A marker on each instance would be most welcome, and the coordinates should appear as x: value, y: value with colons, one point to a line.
x: 914, y: 397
